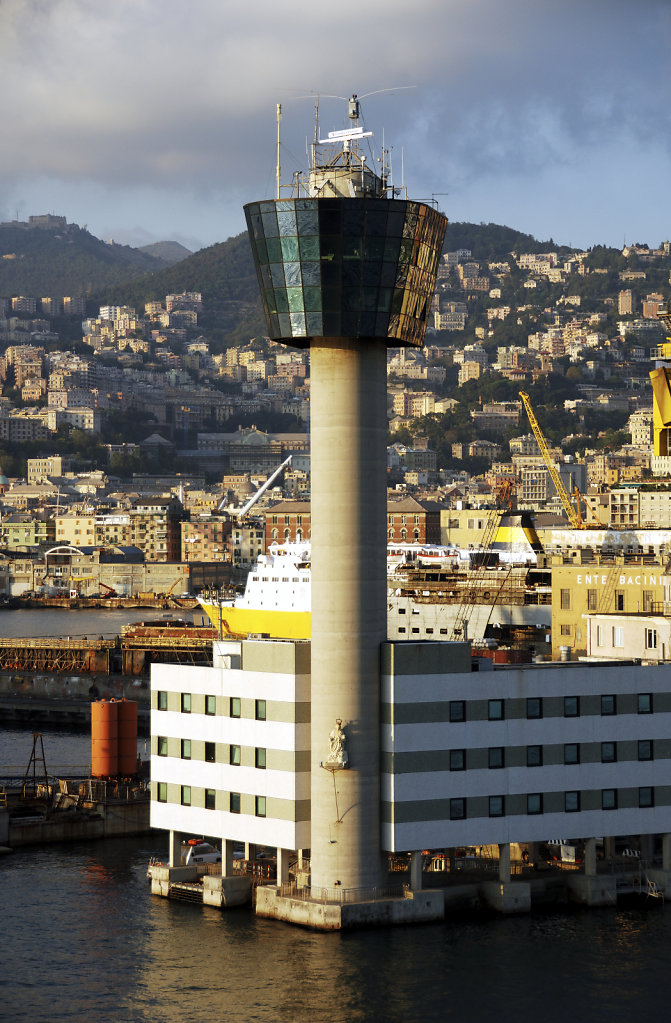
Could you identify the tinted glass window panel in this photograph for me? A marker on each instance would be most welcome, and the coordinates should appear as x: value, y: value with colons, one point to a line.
x: 495, y: 710
x: 534, y: 803
x: 571, y: 706
x: 645, y: 749
x: 645, y: 703
x: 608, y: 705
x: 496, y: 806
x: 534, y: 707
x: 571, y: 802
x: 534, y: 756
x: 457, y: 809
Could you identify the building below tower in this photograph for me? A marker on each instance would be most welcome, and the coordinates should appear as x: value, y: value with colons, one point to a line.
x: 472, y: 755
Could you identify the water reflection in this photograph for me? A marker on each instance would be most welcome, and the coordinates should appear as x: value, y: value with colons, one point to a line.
x: 89, y: 943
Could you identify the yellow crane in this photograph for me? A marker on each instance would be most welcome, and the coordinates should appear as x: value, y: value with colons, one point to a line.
x: 574, y: 518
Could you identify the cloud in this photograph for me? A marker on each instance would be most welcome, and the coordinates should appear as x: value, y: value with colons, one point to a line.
x: 151, y: 96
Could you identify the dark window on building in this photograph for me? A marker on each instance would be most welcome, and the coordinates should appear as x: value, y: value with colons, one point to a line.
x: 495, y: 710
x: 210, y: 799
x: 162, y: 746
x: 619, y: 600
x: 608, y: 752
x: 457, y: 809
x: 496, y: 806
x: 186, y: 795
x: 608, y: 705
x: 235, y: 707
x: 162, y: 792
x: 210, y: 752
x: 210, y: 704
x: 186, y: 749
x: 534, y: 802
x: 645, y: 703
x: 534, y: 756
x: 260, y: 757
x: 457, y: 710
x: 534, y: 707
x: 609, y: 799
x: 645, y: 749
x: 571, y: 802
x: 571, y: 706
x: 234, y: 755
x: 495, y: 757
x: 646, y: 796
x: 591, y: 600
x: 260, y: 806
x: 162, y: 699
x: 571, y: 753
x: 565, y: 600
x: 234, y: 802
x: 260, y: 710
x: 457, y: 760
x: 186, y: 703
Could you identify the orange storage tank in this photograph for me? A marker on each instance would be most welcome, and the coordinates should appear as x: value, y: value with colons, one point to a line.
x: 127, y: 737
x: 104, y: 739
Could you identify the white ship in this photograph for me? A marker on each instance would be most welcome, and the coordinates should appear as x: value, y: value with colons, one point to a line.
x: 276, y: 600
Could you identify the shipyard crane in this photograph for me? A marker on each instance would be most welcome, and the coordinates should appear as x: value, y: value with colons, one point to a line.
x: 502, y: 501
x: 240, y: 513
x: 574, y: 518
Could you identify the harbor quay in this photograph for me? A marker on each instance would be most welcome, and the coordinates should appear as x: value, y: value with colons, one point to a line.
x: 472, y: 755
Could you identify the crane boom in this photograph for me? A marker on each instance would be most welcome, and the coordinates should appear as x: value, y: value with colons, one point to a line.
x: 571, y: 513
x: 241, y: 512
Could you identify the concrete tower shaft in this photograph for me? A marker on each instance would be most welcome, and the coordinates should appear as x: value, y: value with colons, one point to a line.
x: 349, y: 605
x: 346, y: 277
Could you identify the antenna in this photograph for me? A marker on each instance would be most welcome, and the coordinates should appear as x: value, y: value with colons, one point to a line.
x: 279, y: 121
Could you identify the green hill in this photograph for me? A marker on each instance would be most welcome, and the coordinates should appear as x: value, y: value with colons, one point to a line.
x: 64, y: 261
x: 223, y: 273
x: 71, y: 261
x: 494, y: 241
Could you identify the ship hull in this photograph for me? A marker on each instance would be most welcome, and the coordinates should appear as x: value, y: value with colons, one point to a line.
x: 243, y: 621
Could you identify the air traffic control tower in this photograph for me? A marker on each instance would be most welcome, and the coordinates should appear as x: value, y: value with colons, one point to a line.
x: 346, y: 269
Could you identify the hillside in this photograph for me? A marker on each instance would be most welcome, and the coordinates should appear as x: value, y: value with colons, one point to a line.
x: 71, y: 261
x: 223, y: 273
x: 494, y: 241
x: 67, y: 261
x: 167, y: 252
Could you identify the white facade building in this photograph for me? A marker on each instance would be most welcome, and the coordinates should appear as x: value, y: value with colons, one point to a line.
x: 467, y: 757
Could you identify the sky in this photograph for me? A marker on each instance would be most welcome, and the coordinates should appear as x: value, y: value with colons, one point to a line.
x: 150, y: 120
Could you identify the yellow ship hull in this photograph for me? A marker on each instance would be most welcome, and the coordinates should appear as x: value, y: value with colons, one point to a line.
x: 241, y: 621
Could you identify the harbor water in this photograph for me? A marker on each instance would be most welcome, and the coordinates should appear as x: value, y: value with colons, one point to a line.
x: 85, y: 942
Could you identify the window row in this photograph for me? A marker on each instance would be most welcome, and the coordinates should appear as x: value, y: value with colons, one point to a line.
x: 496, y: 755
x: 234, y: 705
x: 209, y: 799
x: 496, y: 710
x: 534, y: 803
x: 234, y: 752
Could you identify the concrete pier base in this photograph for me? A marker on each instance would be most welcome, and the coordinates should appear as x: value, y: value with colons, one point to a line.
x: 510, y: 897
x: 224, y: 892
x: 596, y: 890
x: 413, y: 908
x: 221, y: 892
x: 163, y: 876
